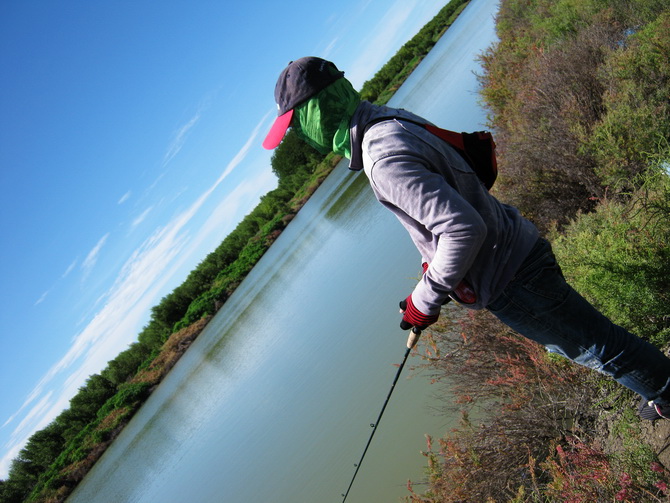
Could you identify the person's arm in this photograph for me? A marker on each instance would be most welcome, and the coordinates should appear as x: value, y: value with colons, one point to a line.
x: 429, y: 206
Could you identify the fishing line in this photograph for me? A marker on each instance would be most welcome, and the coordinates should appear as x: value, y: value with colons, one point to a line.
x: 411, y: 342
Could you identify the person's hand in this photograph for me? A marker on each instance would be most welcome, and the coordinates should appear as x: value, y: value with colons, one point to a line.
x: 412, y: 317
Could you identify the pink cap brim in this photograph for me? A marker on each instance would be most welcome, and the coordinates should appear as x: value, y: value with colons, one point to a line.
x: 278, y: 130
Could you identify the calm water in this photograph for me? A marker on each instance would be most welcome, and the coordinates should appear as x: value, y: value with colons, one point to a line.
x: 273, y: 401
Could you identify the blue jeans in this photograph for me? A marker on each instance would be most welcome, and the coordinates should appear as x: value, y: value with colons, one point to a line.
x: 539, y: 304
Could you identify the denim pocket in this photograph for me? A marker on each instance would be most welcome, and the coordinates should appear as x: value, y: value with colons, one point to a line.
x: 548, y: 282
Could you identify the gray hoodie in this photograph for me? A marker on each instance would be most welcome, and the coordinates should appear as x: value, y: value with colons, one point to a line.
x: 462, y: 231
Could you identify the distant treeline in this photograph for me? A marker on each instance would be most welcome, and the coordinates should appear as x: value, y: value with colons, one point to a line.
x: 56, y: 458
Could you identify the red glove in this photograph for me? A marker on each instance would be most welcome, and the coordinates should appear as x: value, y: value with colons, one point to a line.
x: 465, y: 293
x: 412, y: 317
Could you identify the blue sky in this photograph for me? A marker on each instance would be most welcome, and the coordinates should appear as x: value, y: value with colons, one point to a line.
x: 130, y: 146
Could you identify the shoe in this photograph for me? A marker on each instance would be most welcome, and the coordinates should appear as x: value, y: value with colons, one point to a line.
x: 652, y: 411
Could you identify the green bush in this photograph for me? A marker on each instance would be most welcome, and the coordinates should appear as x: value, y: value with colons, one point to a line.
x: 619, y: 259
x: 637, y: 119
x: 130, y: 394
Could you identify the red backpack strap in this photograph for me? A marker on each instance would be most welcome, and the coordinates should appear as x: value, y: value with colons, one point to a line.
x: 453, y: 138
x: 478, y: 150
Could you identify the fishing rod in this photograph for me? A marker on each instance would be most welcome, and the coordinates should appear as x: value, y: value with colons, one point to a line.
x: 411, y: 342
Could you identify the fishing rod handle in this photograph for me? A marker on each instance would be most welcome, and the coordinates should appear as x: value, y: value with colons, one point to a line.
x: 413, y: 338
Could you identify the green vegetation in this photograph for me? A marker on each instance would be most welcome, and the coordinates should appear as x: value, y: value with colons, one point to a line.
x: 56, y: 458
x: 578, y: 97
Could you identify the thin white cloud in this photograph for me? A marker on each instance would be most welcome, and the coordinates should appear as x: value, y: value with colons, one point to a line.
x: 329, y: 48
x: 155, y: 182
x: 41, y: 299
x: 244, y: 151
x: 125, y: 197
x: 92, y: 257
x: 36, y: 392
x: 69, y: 269
x: 36, y: 411
x: 137, y: 221
x: 179, y: 138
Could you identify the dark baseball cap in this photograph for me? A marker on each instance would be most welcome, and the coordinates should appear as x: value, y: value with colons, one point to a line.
x: 301, y: 80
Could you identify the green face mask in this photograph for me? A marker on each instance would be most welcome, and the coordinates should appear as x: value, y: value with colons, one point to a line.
x: 323, y: 121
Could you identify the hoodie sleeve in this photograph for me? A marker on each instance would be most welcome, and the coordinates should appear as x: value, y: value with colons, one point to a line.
x: 437, y: 218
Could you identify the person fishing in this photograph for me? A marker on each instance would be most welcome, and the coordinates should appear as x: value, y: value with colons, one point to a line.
x: 475, y: 249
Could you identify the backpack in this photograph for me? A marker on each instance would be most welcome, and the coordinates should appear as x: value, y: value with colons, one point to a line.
x: 477, y: 148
